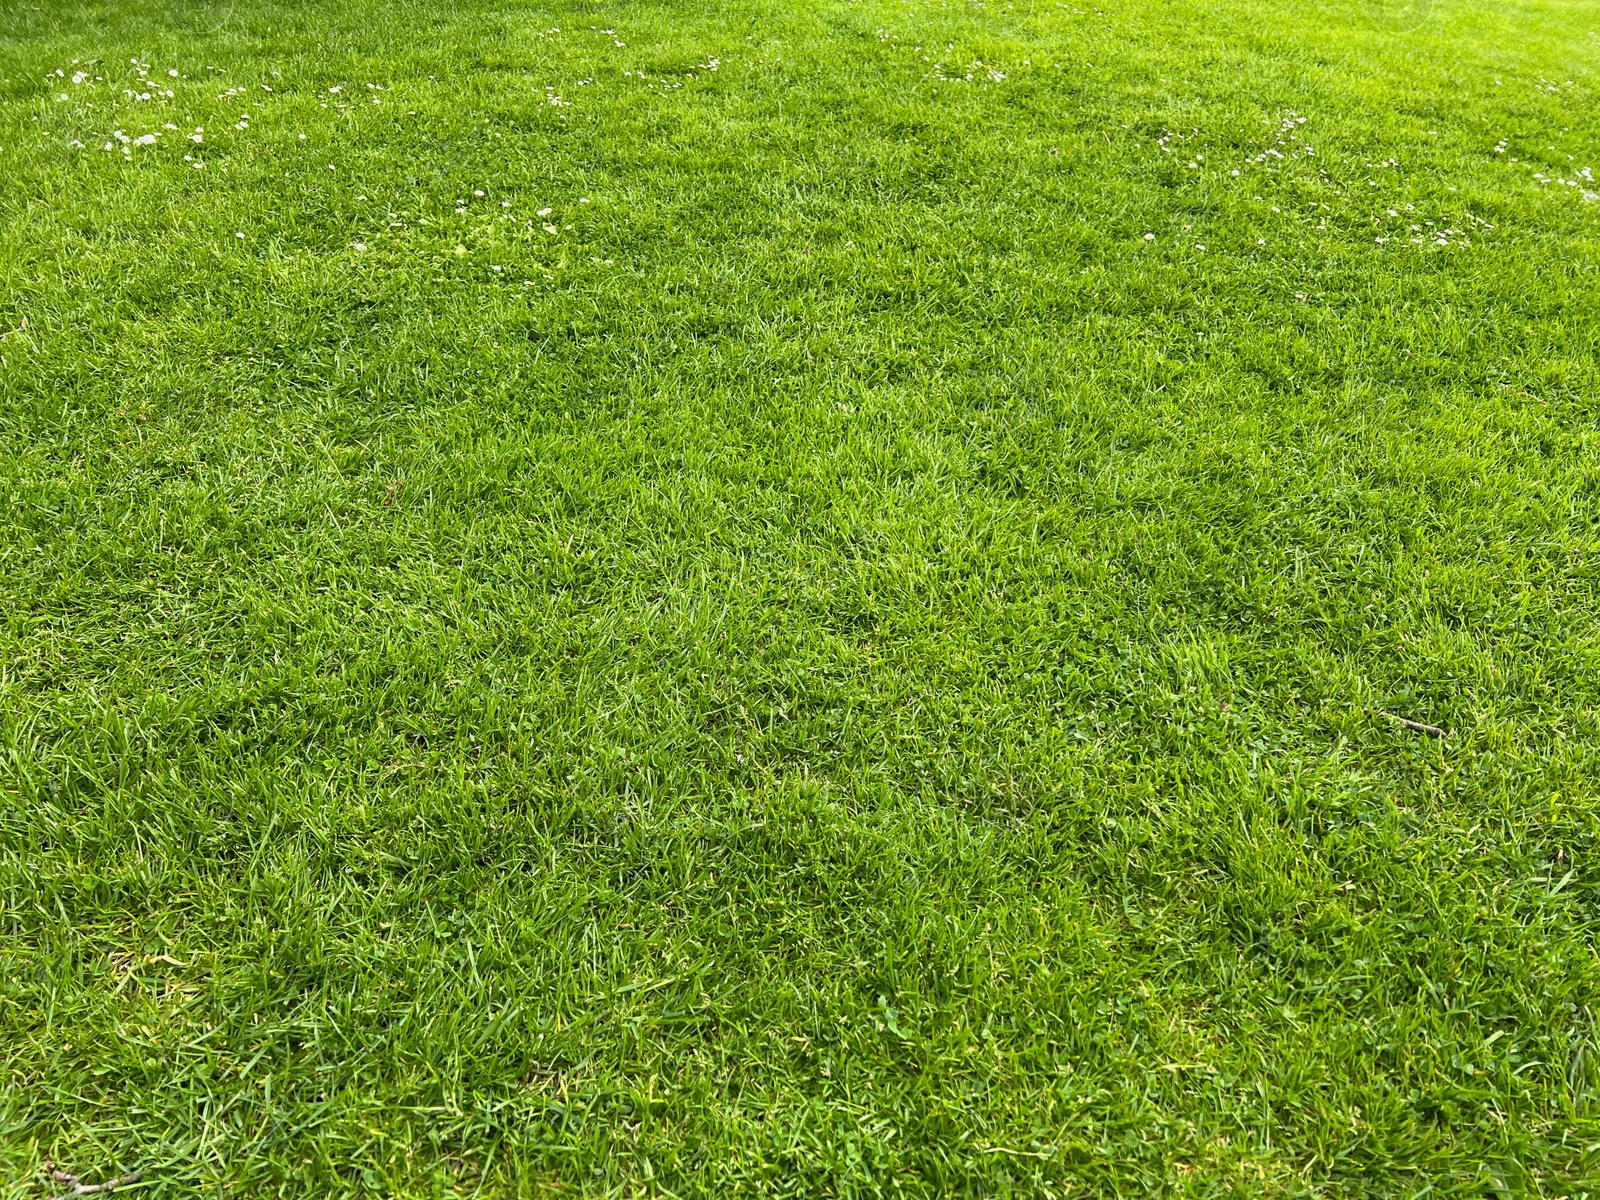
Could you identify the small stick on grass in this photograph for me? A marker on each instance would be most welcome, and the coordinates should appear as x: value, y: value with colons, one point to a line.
x: 1415, y: 726
x: 90, y: 1189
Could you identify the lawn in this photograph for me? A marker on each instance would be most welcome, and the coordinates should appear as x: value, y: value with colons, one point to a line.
x: 813, y: 599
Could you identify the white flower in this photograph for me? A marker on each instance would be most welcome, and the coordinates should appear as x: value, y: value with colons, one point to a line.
x: 358, y: 246
x: 196, y: 138
x: 302, y: 137
x: 108, y: 145
x: 240, y: 236
x: 1149, y: 237
x: 478, y: 192
x: 146, y: 139
x: 334, y: 90
x: 551, y: 229
x: 544, y: 212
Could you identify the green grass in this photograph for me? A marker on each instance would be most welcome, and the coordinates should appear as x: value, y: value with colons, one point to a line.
x: 853, y: 663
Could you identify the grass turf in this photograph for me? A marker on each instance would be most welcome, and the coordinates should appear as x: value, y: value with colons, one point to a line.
x: 686, y: 600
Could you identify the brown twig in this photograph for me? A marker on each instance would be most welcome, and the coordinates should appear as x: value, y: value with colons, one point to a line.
x: 393, y: 490
x: 23, y: 328
x: 1415, y: 726
x: 90, y: 1189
